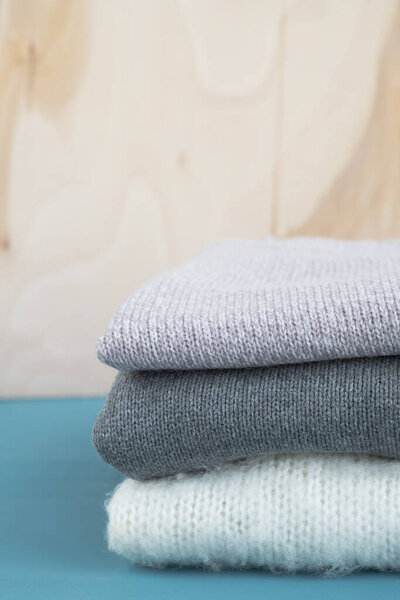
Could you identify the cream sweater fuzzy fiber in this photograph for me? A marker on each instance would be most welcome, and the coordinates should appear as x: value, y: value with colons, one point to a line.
x: 306, y: 512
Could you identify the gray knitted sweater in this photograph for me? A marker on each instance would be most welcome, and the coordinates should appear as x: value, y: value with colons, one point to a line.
x: 258, y: 303
x: 160, y: 423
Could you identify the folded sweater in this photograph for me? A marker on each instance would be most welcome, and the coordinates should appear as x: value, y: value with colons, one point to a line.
x: 160, y: 423
x: 258, y: 303
x: 304, y: 512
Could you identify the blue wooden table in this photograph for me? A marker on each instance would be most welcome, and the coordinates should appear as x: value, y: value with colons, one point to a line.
x: 52, y: 545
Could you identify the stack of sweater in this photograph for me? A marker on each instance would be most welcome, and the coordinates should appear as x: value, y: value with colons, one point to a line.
x: 256, y: 414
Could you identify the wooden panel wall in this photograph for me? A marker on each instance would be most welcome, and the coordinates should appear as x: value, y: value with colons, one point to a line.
x: 134, y: 132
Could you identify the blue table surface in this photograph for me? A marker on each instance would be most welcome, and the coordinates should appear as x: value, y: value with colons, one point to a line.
x: 52, y: 522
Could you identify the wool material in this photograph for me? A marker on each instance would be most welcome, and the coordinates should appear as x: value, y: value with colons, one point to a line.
x: 292, y: 513
x: 161, y: 423
x: 258, y: 303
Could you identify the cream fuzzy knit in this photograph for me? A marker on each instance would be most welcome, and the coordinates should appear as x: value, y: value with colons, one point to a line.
x: 304, y: 512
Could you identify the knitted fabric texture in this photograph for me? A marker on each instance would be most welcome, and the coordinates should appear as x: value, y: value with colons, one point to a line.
x: 258, y: 303
x: 161, y: 423
x: 304, y: 512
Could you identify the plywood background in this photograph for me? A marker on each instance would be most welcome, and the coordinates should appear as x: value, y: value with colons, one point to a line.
x: 134, y: 132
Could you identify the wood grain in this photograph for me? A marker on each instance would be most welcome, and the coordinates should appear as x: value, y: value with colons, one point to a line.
x: 133, y: 133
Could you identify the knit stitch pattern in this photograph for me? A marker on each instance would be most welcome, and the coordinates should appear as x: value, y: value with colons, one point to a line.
x: 162, y: 423
x: 257, y: 303
x: 299, y: 512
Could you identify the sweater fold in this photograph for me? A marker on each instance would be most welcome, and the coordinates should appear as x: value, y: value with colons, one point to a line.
x: 243, y: 303
x: 156, y: 424
x: 292, y: 513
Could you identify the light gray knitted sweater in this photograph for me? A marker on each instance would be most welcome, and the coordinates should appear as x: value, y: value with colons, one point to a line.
x: 258, y: 303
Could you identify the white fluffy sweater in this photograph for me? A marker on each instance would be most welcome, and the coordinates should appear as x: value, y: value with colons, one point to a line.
x: 304, y: 512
